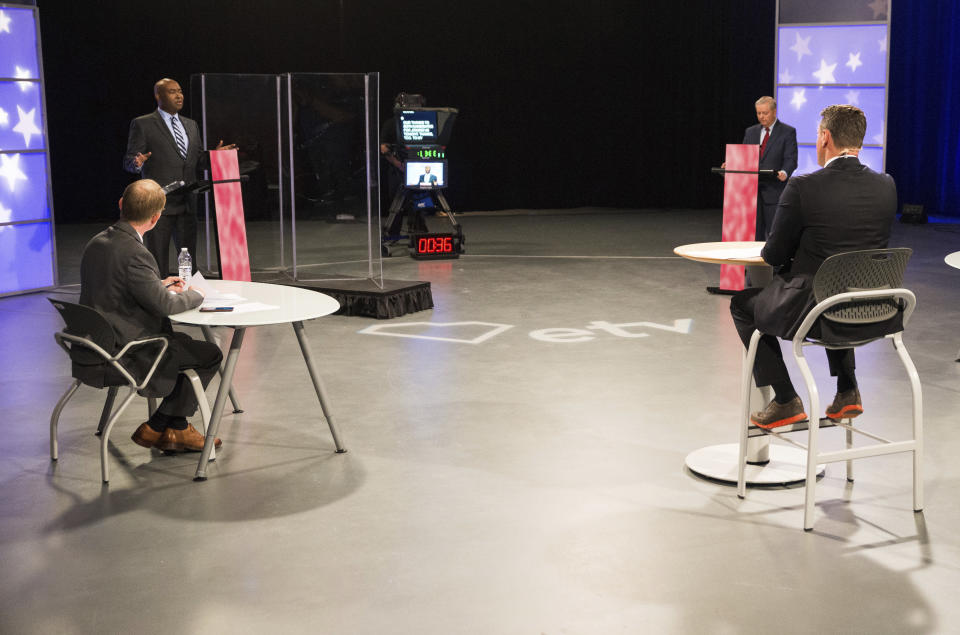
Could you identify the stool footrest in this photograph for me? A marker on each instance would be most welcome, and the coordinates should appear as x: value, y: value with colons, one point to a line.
x: 801, y: 426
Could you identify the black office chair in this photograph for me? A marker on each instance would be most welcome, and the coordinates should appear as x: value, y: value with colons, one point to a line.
x: 90, y: 342
x: 859, y: 300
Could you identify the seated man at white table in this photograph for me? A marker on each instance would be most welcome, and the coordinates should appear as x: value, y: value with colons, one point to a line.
x: 119, y: 278
x: 844, y: 207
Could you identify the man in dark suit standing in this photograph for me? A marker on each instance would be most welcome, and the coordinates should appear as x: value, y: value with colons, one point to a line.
x: 166, y: 147
x: 119, y: 278
x: 778, y: 151
x: 846, y: 206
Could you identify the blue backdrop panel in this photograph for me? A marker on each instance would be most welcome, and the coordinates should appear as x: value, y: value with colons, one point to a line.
x: 21, y: 115
x: 800, y: 106
x: 18, y: 43
x: 23, y: 187
x: 26, y: 257
x: 833, y: 54
x: 832, y: 10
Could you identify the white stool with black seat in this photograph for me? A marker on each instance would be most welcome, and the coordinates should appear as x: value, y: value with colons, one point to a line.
x: 97, y: 361
x: 854, y: 289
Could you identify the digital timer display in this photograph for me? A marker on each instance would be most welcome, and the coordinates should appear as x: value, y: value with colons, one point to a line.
x: 430, y: 153
x: 427, y: 246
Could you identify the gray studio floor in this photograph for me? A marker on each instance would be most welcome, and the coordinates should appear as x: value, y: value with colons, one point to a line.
x: 509, y: 485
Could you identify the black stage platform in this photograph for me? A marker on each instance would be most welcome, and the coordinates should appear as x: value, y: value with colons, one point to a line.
x: 364, y: 298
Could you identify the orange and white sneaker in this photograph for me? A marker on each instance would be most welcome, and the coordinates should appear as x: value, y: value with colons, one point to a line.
x: 779, y: 414
x: 846, y: 405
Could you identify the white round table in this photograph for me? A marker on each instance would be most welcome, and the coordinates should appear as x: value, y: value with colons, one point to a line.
x: 766, y: 464
x: 259, y: 304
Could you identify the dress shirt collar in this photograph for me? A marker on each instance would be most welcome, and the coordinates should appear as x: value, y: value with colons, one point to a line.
x: 166, y: 116
x: 840, y: 156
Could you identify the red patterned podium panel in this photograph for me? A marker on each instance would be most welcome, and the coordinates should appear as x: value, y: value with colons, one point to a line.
x: 739, y: 206
x: 231, y: 229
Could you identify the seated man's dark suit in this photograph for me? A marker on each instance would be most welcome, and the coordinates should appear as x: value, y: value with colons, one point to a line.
x: 846, y: 206
x: 150, y: 133
x: 119, y: 278
x: 780, y: 153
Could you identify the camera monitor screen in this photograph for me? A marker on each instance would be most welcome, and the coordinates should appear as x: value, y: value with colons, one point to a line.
x: 425, y: 126
x: 426, y: 174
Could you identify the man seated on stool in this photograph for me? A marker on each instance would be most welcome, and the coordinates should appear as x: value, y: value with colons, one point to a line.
x: 120, y: 279
x: 844, y: 207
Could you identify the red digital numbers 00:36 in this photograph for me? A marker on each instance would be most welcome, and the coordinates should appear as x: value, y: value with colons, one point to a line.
x: 435, y: 245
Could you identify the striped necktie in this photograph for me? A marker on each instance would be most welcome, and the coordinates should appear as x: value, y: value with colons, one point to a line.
x: 178, y: 135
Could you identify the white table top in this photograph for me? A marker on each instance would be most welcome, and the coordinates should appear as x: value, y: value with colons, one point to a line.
x: 953, y: 259
x: 284, y: 304
x: 745, y: 252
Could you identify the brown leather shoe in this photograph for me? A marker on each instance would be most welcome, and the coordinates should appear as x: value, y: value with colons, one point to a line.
x: 146, y: 436
x: 846, y: 405
x: 188, y: 440
x: 776, y: 415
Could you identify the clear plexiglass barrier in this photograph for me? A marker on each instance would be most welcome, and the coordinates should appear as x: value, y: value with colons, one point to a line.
x: 309, y: 152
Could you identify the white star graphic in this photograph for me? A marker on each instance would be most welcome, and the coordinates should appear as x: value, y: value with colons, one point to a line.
x: 786, y: 77
x: 22, y: 73
x: 879, y: 8
x: 854, y: 62
x: 5, y: 214
x: 825, y: 73
x: 799, y: 98
x: 4, y: 118
x: 26, y: 126
x: 883, y: 45
x: 801, y: 47
x: 10, y: 169
x: 853, y: 97
x: 4, y: 23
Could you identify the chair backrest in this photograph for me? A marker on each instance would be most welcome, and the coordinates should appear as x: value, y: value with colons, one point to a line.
x: 861, y: 271
x: 88, y: 323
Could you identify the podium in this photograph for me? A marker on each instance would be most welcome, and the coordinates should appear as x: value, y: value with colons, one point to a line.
x: 232, y: 253
x: 740, y: 183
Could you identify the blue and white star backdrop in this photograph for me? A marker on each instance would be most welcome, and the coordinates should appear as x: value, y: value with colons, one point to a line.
x: 823, y: 64
x: 26, y: 224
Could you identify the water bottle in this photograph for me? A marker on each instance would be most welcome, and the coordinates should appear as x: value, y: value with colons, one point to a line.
x: 186, y: 266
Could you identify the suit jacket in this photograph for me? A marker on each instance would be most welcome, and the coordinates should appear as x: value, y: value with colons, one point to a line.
x: 149, y: 133
x: 780, y: 154
x: 846, y: 206
x: 425, y: 178
x: 119, y: 278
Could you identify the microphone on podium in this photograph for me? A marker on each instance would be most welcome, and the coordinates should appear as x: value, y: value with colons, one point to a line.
x: 175, y: 185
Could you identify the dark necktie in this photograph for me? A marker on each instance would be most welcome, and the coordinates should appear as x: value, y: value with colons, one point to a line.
x: 763, y: 146
x: 178, y: 135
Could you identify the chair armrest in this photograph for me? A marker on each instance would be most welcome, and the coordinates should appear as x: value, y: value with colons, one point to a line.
x: 114, y: 360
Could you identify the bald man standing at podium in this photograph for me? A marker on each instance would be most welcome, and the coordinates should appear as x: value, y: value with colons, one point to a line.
x: 778, y: 151
x: 166, y: 146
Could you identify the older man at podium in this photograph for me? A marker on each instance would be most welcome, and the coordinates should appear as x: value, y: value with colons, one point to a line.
x: 778, y: 151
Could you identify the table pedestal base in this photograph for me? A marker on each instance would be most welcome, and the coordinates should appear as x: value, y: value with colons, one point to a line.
x: 719, y: 463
